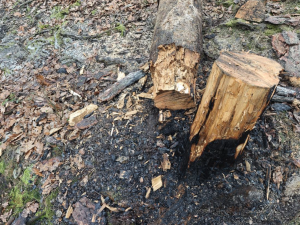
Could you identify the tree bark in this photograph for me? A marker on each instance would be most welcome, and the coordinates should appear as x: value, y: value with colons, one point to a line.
x: 175, y: 53
x: 238, y: 89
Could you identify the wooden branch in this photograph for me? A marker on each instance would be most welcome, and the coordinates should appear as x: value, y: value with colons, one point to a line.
x: 175, y: 53
x: 117, y: 87
x: 238, y: 89
x: 285, y: 91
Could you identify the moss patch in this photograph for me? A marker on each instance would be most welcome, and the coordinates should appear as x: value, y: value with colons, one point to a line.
x: 2, y: 167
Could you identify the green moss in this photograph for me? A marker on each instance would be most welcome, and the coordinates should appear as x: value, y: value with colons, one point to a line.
x: 57, y: 151
x: 19, y: 198
x: 42, y: 26
x: 272, y: 29
x: 2, y: 167
x: 47, y: 211
x: 235, y: 22
x: 27, y: 177
x: 121, y: 28
x: 59, y: 13
x: 225, y: 3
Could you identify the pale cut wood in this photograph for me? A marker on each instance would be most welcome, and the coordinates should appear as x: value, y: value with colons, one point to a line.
x: 238, y: 89
x: 175, y: 53
x: 157, y: 183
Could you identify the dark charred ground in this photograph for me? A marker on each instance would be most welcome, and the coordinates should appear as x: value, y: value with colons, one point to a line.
x: 122, y: 155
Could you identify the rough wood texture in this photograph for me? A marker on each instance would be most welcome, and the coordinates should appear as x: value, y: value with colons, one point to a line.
x: 238, y: 89
x: 117, y: 87
x: 252, y: 10
x: 175, y: 53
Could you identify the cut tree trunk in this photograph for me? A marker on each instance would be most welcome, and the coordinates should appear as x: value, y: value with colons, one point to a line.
x: 175, y: 53
x: 238, y: 89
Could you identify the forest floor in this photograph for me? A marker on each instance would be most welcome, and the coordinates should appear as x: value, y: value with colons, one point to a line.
x: 57, y: 56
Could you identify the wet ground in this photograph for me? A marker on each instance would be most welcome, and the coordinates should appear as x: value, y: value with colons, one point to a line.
x: 106, y: 170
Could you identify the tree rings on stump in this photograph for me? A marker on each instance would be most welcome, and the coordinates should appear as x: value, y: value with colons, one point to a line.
x: 238, y: 89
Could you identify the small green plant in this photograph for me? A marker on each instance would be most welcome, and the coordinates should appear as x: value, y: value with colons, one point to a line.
x: 94, y: 12
x: 121, y: 28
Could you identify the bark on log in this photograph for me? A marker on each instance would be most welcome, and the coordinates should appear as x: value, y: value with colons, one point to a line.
x: 238, y: 89
x: 175, y: 53
x: 119, y: 86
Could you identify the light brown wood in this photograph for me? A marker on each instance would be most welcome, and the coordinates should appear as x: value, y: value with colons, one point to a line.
x: 238, y: 89
x: 175, y: 53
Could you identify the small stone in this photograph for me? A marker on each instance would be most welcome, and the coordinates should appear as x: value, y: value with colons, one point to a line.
x: 290, y: 37
x: 124, y: 174
x: 292, y: 186
x: 58, y: 213
x: 62, y: 70
x: 140, y: 157
x: 123, y: 159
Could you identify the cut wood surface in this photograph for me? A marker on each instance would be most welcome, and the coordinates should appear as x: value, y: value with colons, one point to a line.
x: 175, y: 53
x: 238, y: 89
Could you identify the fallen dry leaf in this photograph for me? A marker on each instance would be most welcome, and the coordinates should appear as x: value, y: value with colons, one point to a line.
x: 296, y: 162
x: 49, y: 165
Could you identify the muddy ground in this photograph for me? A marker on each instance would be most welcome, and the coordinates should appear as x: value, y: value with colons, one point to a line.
x: 103, y: 172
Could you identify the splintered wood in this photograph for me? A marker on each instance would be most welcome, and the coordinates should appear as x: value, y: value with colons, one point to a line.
x: 238, y: 89
x: 175, y: 53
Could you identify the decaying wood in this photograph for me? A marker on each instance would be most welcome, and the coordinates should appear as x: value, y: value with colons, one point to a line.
x: 120, y: 85
x: 285, y: 91
x: 238, y: 89
x: 252, y: 10
x: 278, y: 98
x: 175, y: 53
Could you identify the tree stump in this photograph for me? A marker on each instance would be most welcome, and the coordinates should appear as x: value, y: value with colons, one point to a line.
x: 175, y: 53
x: 238, y: 90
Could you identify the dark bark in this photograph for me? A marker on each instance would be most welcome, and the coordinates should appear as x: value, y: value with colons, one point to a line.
x: 117, y: 87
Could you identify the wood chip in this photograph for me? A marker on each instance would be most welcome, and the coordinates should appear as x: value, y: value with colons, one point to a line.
x: 157, y: 183
x: 248, y: 166
x: 166, y: 164
x: 80, y: 114
x: 69, y: 212
x: 145, y: 95
x: 148, y: 192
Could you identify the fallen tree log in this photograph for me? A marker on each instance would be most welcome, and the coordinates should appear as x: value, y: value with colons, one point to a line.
x: 175, y: 53
x: 120, y: 85
x: 238, y: 89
